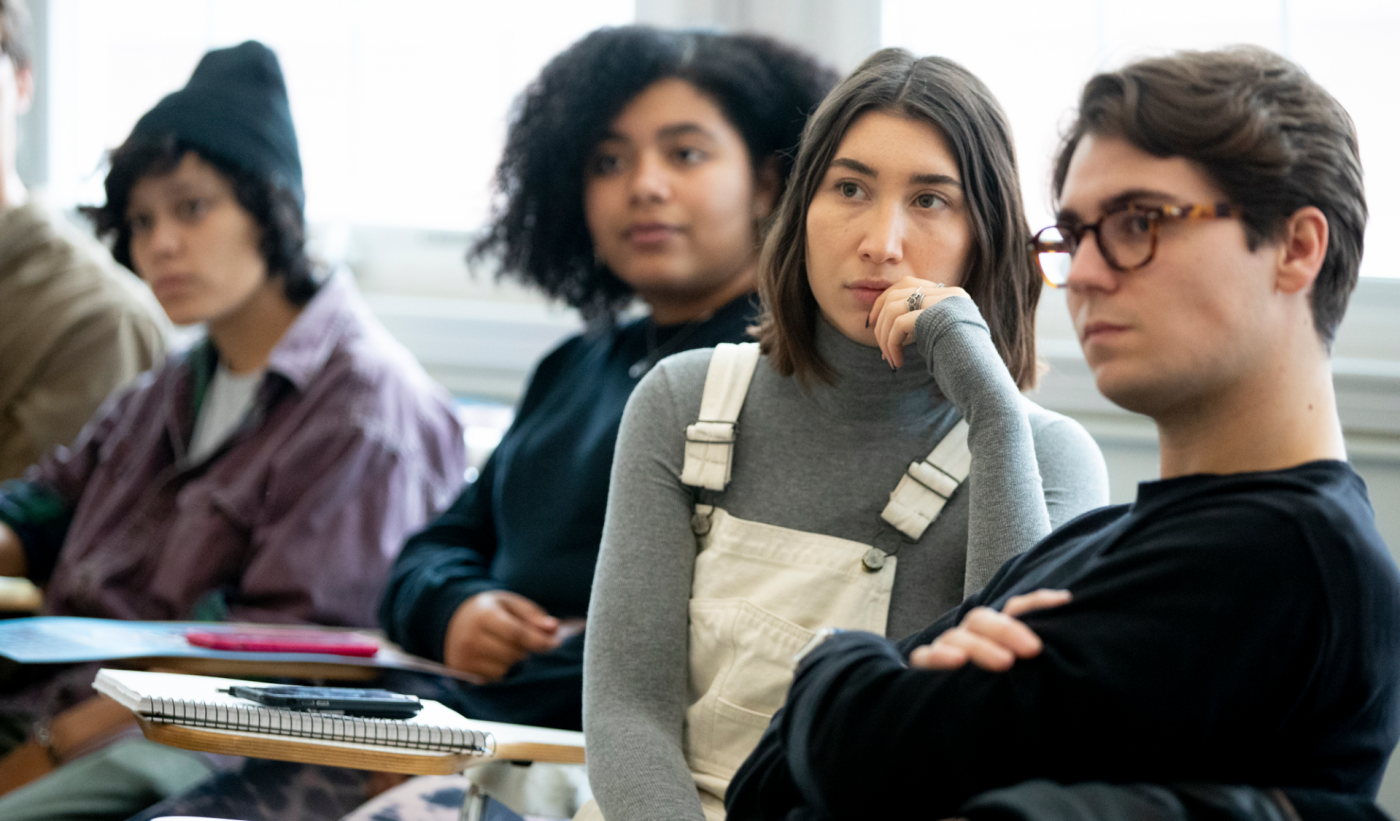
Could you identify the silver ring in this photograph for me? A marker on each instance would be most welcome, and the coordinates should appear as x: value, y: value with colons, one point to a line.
x: 939, y: 285
x: 915, y: 300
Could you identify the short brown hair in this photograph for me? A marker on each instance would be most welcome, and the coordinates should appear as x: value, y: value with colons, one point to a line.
x: 14, y: 32
x: 1000, y: 275
x: 1266, y: 134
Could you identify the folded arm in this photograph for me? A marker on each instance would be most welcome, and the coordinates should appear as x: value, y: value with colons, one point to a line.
x: 1175, y: 644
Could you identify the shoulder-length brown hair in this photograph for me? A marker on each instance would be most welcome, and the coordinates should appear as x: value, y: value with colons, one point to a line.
x: 1000, y: 275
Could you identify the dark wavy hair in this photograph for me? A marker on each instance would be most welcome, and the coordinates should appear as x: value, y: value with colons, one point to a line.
x: 274, y: 208
x: 1265, y: 132
x: 1000, y: 275
x: 538, y: 233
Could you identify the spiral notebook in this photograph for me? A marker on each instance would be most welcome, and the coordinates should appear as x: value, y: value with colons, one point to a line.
x: 195, y: 701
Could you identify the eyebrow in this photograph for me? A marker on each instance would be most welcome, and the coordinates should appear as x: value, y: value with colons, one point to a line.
x: 1119, y: 201
x: 935, y: 179
x: 665, y: 132
x: 682, y: 129
x: 175, y: 188
x: 917, y: 179
x: 856, y: 166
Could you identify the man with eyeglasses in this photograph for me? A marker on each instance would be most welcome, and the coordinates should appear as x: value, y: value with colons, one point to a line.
x: 1239, y: 623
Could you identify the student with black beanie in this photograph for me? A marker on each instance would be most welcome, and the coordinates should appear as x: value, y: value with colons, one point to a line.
x: 270, y: 474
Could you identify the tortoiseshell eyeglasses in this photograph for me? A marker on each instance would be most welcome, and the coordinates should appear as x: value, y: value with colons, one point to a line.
x: 1127, y: 238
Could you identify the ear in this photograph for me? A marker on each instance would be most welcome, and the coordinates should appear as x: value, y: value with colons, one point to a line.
x: 1302, y: 251
x: 765, y: 188
x: 24, y: 89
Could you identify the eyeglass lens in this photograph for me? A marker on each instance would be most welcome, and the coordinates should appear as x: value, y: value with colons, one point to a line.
x: 1125, y: 239
x: 1054, y: 254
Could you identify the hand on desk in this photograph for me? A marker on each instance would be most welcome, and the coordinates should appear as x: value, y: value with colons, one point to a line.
x: 492, y: 631
x: 990, y: 639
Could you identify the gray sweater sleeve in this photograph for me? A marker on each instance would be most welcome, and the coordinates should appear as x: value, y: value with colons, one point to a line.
x: 636, y: 661
x: 1007, y: 502
x: 1072, y: 470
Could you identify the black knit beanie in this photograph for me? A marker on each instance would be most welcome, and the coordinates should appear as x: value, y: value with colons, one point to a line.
x: 235, y: 108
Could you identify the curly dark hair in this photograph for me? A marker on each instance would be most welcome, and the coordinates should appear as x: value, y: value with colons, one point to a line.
x: 274, y: 208
x: 766, y: 90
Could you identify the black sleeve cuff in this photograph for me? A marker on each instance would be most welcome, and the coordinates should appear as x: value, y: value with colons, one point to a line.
x: 40, y: 519
x: 437, y: 614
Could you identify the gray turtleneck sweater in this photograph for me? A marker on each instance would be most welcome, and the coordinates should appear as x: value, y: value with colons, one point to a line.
x: 821, y: 459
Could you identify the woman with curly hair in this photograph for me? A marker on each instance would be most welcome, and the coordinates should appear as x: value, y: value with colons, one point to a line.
x: 865, y: 465
x: 640, y: 165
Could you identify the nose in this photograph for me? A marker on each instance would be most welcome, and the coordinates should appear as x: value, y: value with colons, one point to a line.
x: 883, y: 241
x: 1088, y: 270
x: 651, y: 181
x: 159, y: 242
x: 165, y: 236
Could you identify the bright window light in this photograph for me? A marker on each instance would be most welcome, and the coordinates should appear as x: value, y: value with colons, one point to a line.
x: 1036, y: 56
x: 400, y: 106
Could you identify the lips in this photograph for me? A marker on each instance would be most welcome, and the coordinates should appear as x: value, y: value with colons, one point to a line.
x: 170, y: 286
x: 650, y: 233
x: 1099, y: 331
x: 866, y: 291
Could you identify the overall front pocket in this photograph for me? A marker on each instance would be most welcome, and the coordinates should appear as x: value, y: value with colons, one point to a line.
x: 741, y: 667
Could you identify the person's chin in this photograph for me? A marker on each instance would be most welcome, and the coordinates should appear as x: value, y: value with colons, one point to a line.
x: 659, y: 272
x: 1129, y: 388
x: 182, y: 312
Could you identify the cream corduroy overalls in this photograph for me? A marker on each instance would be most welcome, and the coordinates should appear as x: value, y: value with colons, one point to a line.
x: 761, y: 592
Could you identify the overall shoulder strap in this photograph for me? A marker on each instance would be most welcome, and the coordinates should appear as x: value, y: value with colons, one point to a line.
x: 709, y: 443
x: 925, y: 488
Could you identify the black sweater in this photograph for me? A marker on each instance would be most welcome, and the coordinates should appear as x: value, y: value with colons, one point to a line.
x: 1240, y: 629
x: 532, y: 521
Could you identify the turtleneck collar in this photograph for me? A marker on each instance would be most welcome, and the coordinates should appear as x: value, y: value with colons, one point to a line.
x: 866, y: 390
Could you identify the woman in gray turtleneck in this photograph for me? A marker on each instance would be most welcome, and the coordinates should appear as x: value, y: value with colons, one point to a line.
x: 900, y: 299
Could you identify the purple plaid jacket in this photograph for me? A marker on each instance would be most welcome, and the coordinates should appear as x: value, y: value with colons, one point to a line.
x: 296, y: 518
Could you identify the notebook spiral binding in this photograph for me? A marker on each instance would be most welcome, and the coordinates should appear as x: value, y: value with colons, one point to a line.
x: 386, y: 732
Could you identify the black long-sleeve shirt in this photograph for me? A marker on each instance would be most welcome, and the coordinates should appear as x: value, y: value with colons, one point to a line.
x: 1240, y: 629
x: 532, y: 521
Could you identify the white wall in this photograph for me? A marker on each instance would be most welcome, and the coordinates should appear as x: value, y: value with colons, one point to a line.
x: 842, y: 31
